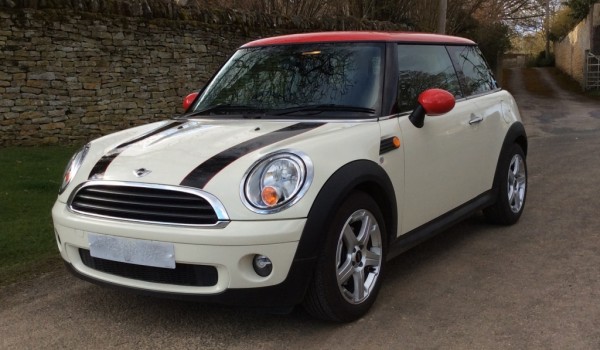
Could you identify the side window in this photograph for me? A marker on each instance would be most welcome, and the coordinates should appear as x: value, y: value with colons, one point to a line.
x: 422, y: 67
x: 473, y: 69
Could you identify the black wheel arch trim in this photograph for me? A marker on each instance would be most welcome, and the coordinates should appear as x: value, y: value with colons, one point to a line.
x: 361, y: 175
x: 515, y: 134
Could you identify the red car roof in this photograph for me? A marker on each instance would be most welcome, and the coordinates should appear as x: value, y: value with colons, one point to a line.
x: 407, y: 37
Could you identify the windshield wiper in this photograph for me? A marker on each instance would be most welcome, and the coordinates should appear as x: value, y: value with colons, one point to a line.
x: 224, y: 107
x: 323, y: 108
x: 252, y: 111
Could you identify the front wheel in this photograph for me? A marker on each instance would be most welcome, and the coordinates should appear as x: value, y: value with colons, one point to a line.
x: 512, y: 188
x: 349, y: 271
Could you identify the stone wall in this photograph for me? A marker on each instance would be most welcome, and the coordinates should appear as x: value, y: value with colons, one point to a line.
x: 570, y: 51
x: 68, y: 76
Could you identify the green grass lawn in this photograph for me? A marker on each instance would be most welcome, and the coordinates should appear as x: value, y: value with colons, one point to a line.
x: 30, y: 180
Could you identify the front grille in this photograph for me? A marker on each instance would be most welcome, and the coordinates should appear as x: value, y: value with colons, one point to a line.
x: 182, y: 274
x: 144, y: 203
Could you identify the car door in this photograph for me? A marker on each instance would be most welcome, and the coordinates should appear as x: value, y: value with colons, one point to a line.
x: 486, y: 97
x: 442, y: 158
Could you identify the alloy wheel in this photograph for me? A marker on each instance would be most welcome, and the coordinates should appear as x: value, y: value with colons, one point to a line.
x: 517, y: 183
x: 359, y: 256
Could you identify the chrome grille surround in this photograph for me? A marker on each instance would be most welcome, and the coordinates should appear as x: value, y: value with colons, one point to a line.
x: 221, y: 218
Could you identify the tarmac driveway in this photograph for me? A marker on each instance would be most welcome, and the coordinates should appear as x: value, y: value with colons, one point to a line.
x: 532, y: 285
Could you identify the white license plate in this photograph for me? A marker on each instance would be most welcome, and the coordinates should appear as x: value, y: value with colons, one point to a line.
x: 132, y: 251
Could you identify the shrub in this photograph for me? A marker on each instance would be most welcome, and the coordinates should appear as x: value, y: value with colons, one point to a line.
x: 542, y: 61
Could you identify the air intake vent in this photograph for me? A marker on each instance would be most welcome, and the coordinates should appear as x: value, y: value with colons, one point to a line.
x: 182, y: 274
x: 146, y: 203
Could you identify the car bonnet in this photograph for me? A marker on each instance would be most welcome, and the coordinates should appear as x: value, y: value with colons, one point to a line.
x: 190, y: 153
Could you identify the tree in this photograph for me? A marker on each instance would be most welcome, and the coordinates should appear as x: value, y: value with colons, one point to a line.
x: 563, y: 22
x: 580, y: 8
x: 442, y: 13
x: 489, y: 22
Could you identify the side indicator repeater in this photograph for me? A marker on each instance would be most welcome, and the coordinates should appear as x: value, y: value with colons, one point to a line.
x: 389, y: 144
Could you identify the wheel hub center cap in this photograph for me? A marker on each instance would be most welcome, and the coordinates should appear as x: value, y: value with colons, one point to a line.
x: 358, y: 256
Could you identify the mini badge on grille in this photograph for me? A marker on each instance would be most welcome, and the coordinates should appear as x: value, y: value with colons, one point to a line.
x: 141, y: 172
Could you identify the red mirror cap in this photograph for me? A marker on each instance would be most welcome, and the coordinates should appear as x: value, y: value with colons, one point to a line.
x: 436, y: 101
x: 188, y: 100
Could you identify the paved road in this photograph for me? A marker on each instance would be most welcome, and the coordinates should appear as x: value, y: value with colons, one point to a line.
x: 534, y: 285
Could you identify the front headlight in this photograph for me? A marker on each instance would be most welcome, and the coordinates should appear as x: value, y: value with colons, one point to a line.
x: 276, y: 182
x: 73, y: 166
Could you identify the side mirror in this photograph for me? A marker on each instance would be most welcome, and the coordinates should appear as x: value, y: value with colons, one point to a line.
x: 431, y: 102
x: 188, y: 100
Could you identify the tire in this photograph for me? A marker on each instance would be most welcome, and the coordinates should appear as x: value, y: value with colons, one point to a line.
x: 349, y: 270
x: 512, y: 188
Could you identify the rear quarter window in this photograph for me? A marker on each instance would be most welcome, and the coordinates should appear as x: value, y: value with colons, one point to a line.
x: 474, y: 72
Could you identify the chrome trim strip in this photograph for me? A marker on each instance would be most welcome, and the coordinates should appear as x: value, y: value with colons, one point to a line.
x: 391, y: 116
x: 222, y: 216
x: 484, y: 93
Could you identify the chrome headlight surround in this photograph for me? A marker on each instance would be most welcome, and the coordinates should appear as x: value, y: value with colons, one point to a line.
x: 285, y: 174
x: 73, y: 166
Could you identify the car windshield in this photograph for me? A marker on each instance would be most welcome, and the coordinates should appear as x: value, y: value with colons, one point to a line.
x: 342, y: 80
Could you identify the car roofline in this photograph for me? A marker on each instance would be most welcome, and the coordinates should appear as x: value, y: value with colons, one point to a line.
x: 360, y: 36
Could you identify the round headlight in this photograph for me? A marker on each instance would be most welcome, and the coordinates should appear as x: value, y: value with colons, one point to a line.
x: 276, y: 182
x: 72, y: 167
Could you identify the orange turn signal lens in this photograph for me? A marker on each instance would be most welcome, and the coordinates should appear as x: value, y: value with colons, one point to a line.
x: 270, y: 196
x: 396, y: 142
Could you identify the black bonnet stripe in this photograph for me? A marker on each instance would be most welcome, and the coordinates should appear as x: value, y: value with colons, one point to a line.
x: 200, y: 176
x: 101, y: 166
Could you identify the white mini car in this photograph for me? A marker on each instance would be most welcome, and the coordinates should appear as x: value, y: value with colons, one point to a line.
x: 305, y: 164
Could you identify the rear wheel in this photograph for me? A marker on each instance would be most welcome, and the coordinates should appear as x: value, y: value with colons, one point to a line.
x: 512, y: 186
x: 349, y: 271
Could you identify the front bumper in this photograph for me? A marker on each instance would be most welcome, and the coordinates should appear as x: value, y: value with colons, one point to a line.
x: 229, y: 250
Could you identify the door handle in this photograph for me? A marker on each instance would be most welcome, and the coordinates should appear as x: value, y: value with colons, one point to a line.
x: 475, y: 119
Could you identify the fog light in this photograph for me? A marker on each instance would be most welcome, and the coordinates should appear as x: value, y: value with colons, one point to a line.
x: 262, y: 265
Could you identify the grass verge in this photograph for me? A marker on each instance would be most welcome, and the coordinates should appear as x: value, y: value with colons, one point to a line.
x: 31, y: 177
